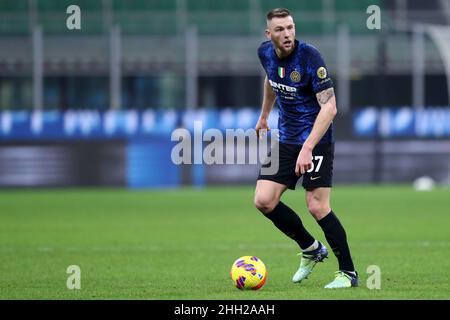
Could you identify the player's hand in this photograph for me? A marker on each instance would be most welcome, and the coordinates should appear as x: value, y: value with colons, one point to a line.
x: 304, y: 161
x: 261, y: 125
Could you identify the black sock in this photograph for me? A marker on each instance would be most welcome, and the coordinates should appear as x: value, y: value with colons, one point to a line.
x: 337, y: 239
x: 285, y: 219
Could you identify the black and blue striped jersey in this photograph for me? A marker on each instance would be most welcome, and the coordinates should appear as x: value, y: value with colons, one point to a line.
x: 296, y: 79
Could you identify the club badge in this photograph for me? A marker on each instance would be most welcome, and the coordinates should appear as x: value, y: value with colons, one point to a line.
x: 295, y: 76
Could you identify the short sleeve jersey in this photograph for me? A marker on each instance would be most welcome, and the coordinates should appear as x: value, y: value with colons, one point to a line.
x: 296, y: 79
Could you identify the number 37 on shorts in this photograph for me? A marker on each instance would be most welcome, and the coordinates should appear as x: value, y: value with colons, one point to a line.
x: 316, y: 164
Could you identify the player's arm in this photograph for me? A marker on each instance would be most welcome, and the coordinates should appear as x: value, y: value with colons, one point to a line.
x: 328, y: 110
x: 267, y: 105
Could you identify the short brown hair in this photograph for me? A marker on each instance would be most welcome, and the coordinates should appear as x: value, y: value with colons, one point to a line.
x: 278, y: 13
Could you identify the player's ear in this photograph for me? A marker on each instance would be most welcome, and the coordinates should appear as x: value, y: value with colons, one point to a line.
x: 267, y: 34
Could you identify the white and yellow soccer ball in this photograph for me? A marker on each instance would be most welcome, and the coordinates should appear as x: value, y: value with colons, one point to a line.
x: 248, y: 272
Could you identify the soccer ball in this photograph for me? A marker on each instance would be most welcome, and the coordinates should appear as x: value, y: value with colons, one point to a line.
x: 248, y: 272
x: 424, y: 183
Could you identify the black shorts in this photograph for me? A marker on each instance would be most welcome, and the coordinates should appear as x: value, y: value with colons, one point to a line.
x: 320, y: 175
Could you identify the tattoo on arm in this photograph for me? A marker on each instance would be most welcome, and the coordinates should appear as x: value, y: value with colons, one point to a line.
x: 325, y: 95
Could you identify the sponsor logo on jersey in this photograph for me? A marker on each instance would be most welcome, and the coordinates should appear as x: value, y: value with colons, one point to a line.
x: 295, y: 76
x: 282, y: 87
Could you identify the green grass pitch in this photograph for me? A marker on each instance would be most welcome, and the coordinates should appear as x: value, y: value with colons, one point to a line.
x: 180, y: 244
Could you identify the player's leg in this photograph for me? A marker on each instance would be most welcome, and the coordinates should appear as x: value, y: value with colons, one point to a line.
x: 269, y: 189
x: 267, y: 200
x: 310, y: 257
x: 267, y: 195
x: 318, y: 201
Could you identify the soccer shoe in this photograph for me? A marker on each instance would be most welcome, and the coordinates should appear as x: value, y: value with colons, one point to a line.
x: 343, y: 280
x: 308, y: 261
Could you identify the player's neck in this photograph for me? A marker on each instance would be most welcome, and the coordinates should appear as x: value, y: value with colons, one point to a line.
x: 283, y: 54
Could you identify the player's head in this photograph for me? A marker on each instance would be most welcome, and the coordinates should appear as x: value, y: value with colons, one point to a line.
x: 281, y: 29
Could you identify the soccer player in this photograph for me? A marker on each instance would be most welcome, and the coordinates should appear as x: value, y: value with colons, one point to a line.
x: 298, y: 81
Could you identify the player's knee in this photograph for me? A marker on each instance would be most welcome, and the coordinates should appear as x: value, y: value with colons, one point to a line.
x: 265, y: 203
x: 318, y: 209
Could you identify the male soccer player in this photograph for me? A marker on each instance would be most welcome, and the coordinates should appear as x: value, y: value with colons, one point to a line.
x: 297, y: 80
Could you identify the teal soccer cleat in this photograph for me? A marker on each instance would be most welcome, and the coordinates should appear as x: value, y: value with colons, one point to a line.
x: 308, y: 261
x: 343, y: 280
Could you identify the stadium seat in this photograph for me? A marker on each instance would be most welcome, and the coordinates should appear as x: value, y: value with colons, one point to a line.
x: 293, y: 5
x: 223, y: 5
x: 154, y: 5
x: 13, y: 5
x: 61, y: 5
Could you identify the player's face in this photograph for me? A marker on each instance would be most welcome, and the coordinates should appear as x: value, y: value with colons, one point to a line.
x: 281, y: 31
